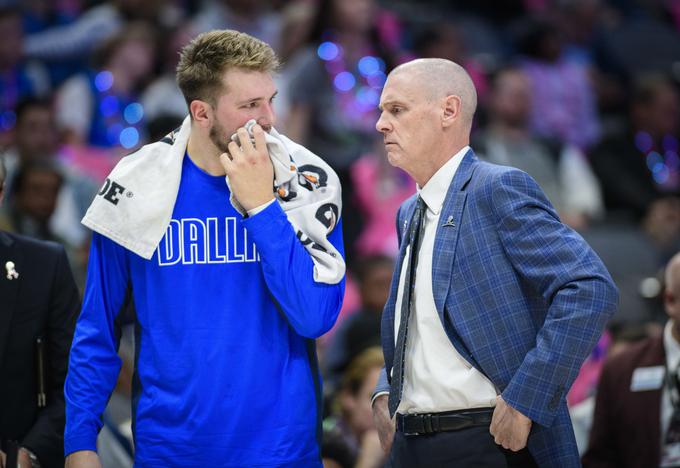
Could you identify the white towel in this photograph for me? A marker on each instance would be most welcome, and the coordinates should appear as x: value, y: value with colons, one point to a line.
x: 135, y: 205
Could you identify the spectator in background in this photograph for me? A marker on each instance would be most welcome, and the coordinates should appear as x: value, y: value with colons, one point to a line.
x: 297, y: 22
x: 335, y: 451
x: 335, y: 87
x: 254, y: 17
x: 360, y: 330
x: 100, y: 108
x: 445, y: 40
x: 584, y: 25
x: 564, y: 106
x: 379, y: 190
x: 35, y: 189
x: 352, y: 421
x: 19, y: 78
x: 42, y: 15
x: 561, y: 170
x: 162, y: 99
x: 661, y: 225
x: 637, y: 411
x: 642, y: 164
x: 39, y: 300
x: 37, y: 140
x: 80, y: 38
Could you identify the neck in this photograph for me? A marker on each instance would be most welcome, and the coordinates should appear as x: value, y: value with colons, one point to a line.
x: 204, y: 154
x: 430, y: 168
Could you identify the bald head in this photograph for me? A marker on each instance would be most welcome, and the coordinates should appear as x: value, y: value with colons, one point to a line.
x: 439, y: 78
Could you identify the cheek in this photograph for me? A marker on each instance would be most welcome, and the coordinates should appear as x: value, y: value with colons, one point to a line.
x: 229, y: 122
x: 239, y: 118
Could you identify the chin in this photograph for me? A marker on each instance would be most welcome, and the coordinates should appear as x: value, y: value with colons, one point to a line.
x: 393, y: 158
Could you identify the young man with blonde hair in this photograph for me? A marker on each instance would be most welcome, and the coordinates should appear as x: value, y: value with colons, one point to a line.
x: 228, y: 286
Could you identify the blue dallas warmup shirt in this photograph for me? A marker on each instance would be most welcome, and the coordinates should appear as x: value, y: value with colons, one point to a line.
x: 226, y: 310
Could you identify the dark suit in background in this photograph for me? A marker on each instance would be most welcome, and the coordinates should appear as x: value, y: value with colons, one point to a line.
x: 626, y: 430
x: 43, y: 301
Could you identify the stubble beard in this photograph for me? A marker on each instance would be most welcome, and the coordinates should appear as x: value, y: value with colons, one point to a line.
x: 219, y: 137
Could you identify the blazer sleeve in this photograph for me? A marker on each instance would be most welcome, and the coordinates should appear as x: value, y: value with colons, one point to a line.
x: 45, y: 438
x: 555, y: 262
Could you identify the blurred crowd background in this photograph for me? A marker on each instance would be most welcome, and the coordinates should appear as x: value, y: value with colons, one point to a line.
x: 581, y: 94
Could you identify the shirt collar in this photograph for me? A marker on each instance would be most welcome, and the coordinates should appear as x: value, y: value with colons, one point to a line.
x: 434, y: 191
x: 671, y: 346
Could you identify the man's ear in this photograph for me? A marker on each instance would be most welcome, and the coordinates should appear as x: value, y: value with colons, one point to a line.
x: 451, y: 107
x: 201, y: 112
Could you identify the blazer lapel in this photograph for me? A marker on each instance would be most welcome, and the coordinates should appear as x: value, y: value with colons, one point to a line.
x: 9, y: 289
x: 447, y: 231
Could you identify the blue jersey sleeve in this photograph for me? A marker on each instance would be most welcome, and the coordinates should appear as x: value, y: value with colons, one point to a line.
x: 310, y: 307
x: 94, y: 363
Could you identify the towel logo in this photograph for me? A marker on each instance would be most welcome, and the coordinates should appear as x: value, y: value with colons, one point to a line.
x: 309, y: 243
x: 111, y: 191
x: 312, y: 177
x: 285, y: 193
x: 327, y: 215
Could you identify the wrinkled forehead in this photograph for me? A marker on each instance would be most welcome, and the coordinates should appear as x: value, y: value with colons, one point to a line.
x: 402, y: 87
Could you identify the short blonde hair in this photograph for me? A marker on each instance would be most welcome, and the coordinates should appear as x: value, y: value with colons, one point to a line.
x: 203, y: 61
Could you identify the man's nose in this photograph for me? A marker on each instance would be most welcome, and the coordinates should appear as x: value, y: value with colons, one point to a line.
x: 381, y: 125
x: 268, y: 117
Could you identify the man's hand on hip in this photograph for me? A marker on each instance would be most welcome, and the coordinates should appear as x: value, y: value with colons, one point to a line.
x: 383, y: 423
x: 83, y: 459
x: 509, y: 427
x: 249, y: 168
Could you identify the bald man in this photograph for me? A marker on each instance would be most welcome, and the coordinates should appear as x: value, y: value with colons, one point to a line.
x: 637, y: 409
x: 494, y: 303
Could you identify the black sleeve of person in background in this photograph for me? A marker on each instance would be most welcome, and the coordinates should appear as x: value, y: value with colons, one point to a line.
x: 46, y: 437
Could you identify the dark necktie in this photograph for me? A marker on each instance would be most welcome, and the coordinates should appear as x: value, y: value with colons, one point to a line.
x: 414, y: 235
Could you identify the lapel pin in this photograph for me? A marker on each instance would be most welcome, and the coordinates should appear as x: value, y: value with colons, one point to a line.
x: 449, y: 222
x: 11, y: 272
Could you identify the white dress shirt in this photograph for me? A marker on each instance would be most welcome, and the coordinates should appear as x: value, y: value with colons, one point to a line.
x: 436, y: 377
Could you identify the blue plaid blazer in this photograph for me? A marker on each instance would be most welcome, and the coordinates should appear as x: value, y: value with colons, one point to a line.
x: 520, y: 295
